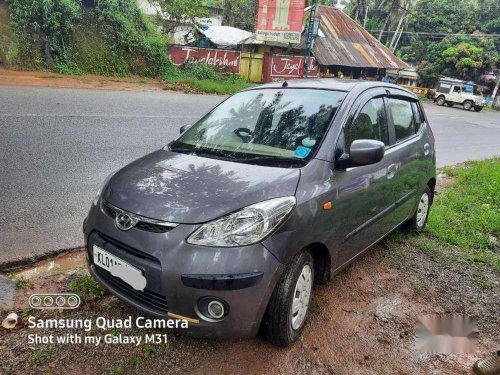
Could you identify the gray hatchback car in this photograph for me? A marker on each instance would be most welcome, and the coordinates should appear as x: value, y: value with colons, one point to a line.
x: 278, y: 187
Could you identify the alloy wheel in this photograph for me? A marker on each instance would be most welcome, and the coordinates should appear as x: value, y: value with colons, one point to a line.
x: 301, y: 297
x: 422, y: 210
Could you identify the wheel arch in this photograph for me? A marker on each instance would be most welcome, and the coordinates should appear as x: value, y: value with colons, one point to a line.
x: 432, y: 187
x: 322, y: 261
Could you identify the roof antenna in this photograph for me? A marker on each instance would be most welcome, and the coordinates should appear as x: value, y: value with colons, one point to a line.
x: 285, y: 84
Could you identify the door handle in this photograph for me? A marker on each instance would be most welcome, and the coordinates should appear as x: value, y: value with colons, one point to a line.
x: 391, y: 171
x: 427, y: 149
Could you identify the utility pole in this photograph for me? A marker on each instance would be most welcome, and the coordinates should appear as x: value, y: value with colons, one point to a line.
x: 309, y: 37
x: 495, y: 90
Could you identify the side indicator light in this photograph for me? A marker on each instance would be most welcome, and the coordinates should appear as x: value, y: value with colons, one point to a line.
x: 327, y: 206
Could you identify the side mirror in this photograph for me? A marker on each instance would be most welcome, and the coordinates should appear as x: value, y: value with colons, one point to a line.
x: 362, y: 152
x: 184, y: 128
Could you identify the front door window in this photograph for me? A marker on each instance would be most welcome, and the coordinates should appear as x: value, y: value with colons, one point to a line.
x: 370, y: 123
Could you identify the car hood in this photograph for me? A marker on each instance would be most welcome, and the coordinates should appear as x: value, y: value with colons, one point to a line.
x: 191, y: 189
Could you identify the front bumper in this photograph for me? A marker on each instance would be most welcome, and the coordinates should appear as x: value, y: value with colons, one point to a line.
x: 179, y: 274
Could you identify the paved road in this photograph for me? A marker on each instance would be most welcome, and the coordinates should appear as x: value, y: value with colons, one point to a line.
x: 57, y: 145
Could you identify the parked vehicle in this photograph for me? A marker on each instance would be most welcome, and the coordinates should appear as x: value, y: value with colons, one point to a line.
x: 278, y: 187
x: 452, y: 92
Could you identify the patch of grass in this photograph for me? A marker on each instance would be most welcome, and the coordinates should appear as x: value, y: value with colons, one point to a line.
x: 467, y: 214
x: 135, y: 362
x: 86, y: 287
x: 41, y: 355
x: 150, y: 350
x: 68, y: 67
x: 20, y: 281
x: 199, y: 77
x: 118, y: 369
x: 487, y: 108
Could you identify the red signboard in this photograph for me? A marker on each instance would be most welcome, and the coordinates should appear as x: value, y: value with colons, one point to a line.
x: 281, y: 67
x: 222, y: 58
x: 280, y: 20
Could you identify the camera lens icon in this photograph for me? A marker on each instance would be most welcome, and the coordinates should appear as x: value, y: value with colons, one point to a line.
x: 73, y: 301
x: 35, y: 301
x: 54, y: 301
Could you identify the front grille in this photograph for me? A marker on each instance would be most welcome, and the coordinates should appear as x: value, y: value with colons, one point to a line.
x: 129, y: 249
x: 149, y: 227
x: 146, y: 298
x: 146, y: 224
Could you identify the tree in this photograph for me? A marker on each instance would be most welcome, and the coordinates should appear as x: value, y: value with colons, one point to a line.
x: 462, y: 57
x: 180, y: 12
x: 465, y: 57
x: 240, y: 13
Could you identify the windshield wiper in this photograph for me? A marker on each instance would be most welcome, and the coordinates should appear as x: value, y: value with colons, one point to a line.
x: 270, y: 160
x: 203, y: 152
x: 230, y: 156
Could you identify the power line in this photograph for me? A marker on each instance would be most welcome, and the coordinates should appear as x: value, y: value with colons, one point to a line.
x: 437, y: 34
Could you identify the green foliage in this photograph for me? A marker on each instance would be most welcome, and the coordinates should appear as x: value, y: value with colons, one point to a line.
x: 181, y: 12
x: 467, y: 214
x: 20, y: 281
x: 112, y: 37
x: 86, y: 287
x: 42, y: 355
x: 461, y: 57
x: 95, y: 54
x: 128, y: 30
x: 240, y: 13
x: 46, y: 23
x: 200, y: 77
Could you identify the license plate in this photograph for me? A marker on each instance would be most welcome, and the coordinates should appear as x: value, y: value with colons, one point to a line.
x: 119, y: 268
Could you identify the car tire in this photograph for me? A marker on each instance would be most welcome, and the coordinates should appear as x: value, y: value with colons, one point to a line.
x: 440, y: 101
x: 282, y: 325
x: 467, y: 105
x: 419, y: 220
x: 478, y: 108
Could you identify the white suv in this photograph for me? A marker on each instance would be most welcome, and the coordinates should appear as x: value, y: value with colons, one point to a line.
x: 452, y: 92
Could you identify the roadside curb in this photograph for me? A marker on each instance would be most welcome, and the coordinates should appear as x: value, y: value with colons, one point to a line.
x: 17, y: 264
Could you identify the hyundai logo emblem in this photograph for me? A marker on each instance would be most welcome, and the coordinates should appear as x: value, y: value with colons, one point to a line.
x: 124, y: 221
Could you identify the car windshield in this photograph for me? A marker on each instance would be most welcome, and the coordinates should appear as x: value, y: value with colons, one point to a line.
x: 263, y: 126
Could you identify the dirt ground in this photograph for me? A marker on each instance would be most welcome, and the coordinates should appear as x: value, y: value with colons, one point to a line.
x: 363, y: 322
x: 87, y: 81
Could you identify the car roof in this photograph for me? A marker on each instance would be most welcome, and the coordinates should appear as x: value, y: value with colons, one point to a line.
x: 330, y: 84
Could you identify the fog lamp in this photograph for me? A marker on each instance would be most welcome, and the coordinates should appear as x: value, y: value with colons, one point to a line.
x: 216, y: 309
x: 213, y: 308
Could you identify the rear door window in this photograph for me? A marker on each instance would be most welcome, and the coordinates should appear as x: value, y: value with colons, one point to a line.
x: 402, y: 118
x: 419, y: 118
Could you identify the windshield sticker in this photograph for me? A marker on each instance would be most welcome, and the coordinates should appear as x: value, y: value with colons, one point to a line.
x: 308, y: 142
x: 301, y: 152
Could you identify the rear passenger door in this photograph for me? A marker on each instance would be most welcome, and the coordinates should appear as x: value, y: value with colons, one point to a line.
x: 406, y: 154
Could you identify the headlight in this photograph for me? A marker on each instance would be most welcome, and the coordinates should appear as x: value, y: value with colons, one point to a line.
x: 99, y: 192
x: 244, y: 227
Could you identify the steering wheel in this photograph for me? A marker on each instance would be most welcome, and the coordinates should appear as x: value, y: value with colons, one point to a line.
x: 244, y: 133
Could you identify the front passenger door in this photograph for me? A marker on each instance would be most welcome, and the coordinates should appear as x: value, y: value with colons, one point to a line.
x: 364, y: 194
